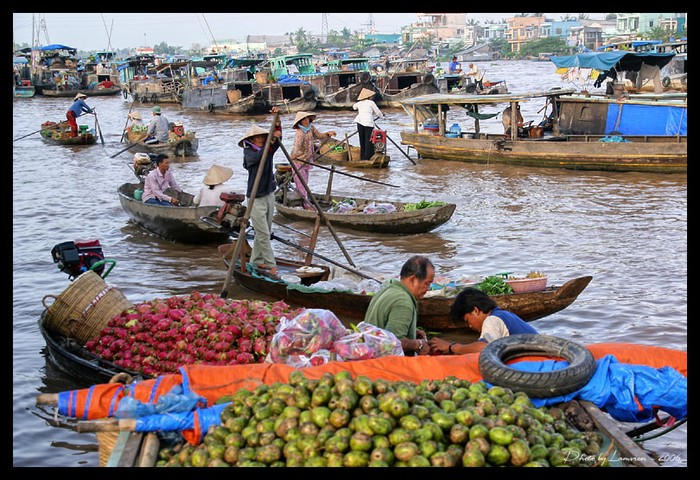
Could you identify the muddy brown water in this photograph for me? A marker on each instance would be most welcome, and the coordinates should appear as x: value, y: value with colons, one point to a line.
x: 627, y: 230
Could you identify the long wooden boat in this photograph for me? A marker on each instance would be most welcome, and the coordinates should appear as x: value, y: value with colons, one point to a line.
x: 90, y: 92
x: 434, y: 312
x: 178, y: 145
x: 611, y: 151
x: 23, y: 91
x: 178, y: 223
x: 290, y: 97
x: 400, y: 222
x: 340, y: 81
x: 236, y: 98
x: 409, y: 78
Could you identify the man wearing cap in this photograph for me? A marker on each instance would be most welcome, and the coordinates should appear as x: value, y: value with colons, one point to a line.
x: 158, y: 129
x: 367, y: 112
x: 78, y: 108
x: 157, y: 181
x: 214, y: 186
x: 303, y: 150
x: 263, y: 205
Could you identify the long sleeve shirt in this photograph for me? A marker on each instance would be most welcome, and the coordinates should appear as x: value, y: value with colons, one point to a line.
x: 159, y: 128
x: 251, y: 162
x: 79, y: 107
x: 304, y: 144
x: 156, y: 183
x: 367, y: 110
x: 211, y: 196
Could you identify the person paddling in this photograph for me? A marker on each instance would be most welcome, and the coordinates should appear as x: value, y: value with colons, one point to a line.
x: 76, y: 110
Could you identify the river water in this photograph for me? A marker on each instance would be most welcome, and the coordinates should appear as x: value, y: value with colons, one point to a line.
x: 627, y: 230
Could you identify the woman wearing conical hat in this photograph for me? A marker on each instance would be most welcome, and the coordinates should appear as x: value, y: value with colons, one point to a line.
x: 303, y: 150
x: 213, y: 186
x: 367, y: 111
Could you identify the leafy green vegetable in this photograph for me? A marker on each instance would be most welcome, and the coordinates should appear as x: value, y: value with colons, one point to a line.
x: 409, y: 207
x: 494, y: 285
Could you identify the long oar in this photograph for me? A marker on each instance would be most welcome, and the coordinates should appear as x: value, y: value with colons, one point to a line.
x: 329, y: 260
x: 127, y: 121
x: 249, y: 208
x: 25, y: 136
x: 124, y: 149
x: 395, y: 144
x: 316, y: 165
x: 97, y: 126
x: 316, y: 205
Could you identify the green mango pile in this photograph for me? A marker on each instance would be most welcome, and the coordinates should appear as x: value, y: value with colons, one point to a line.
x: 341, y: 421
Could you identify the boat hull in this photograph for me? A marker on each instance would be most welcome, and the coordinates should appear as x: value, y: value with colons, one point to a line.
x: 23, y: 91
x: 581, y: 152
x: 178, y: 224
x: 179, y: 146
x: 215, y: 99
x: 393, y: 100
x: 433, y: 312
x: 398, y: 223
x: 96, y: 92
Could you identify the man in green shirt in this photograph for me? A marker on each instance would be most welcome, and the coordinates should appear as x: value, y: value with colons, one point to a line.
x: 395, y: 306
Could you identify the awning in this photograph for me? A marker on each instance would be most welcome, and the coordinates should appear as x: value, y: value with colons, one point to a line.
x: 628, y: 61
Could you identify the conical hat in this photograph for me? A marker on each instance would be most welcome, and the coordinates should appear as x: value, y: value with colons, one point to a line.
x: 301, y: 116
x: 80, y: 95
x: 217, y: 174
x: 135, y: 115
x: 365, y: 93
x: 252, y: 132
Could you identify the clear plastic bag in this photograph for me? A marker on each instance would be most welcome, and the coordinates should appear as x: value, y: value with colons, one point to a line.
x: 307, y: 333
x: 379, y: 208
x: 367, y: 342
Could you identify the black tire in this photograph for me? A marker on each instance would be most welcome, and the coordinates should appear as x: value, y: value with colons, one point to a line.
x: 125, y: 94
x: 666, y: 82
x: 493, y: 358
x: 309, y: 95
x: 428, y: 78
x: 154, y: 98
x: 210, y: 107
x: 144, y: 99
x: 365, y: 77
x: 471, y: 88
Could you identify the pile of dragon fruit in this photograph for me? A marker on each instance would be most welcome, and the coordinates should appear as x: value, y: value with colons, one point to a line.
x: 159, y: 336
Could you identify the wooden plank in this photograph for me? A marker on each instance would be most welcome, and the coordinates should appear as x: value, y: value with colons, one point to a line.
x: 149, y: 451
x: 125, y: 449
x: 628, y: 450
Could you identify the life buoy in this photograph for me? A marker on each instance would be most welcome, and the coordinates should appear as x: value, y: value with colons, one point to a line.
x: 666, y: 82
x: 365, y: 77
x: 309, y: 95
x: 154, y: 98
x: 493, y: 368
x: 428, y: 78
x: 210, y: 107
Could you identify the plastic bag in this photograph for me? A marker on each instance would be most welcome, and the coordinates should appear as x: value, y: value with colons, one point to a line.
x: 321, y: 357
x: 379, y: 208
x: 310, y: 331
x: 367, y: 342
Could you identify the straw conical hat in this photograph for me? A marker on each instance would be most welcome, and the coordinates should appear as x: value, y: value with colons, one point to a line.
x: 80, y: 95
x: 135, y: 115
x: 217, y: 174
x: 252, y: 132
x: 301, y: 116
x: 365, y: 93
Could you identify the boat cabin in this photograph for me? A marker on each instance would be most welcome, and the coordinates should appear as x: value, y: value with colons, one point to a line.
x: 299, y: 64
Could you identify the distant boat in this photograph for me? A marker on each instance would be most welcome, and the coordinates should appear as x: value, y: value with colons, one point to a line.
x: 22, y: 85
x: 340, y: 81
x: 408, y: 78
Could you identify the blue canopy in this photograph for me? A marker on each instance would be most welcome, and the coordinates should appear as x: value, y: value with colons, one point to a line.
x: 55, y: 46
x: 628, y: 61
x: 19, y: 60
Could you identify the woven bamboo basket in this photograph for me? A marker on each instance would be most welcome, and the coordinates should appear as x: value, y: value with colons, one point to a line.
x: 84, y: 308
x: 333, y: 151
x: 354, y: 153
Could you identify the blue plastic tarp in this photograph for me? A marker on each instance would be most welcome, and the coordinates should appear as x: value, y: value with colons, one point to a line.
x: 647, y: 119
x: 628, y: 61
x: 629, y: 393
x: 55, y: 46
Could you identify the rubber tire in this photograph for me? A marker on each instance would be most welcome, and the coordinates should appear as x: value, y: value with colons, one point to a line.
x: 471, y: 88
x: 154, y: 98
x: 365, y: 77
x: 125, y: 94
x: 210, y: 107
x: 428, y: 78
x: 144, y: 99
x: 666, y: 82
x: 493, y: 358
x: 309, y: 95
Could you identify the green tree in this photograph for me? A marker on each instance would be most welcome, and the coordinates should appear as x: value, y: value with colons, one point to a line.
x: 556, y: 45
x: 658, y: 33
x: 502, y: 46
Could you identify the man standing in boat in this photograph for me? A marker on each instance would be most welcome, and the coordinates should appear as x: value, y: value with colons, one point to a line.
x: 78, y: 108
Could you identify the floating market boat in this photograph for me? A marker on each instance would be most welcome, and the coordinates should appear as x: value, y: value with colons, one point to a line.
x: 61, y: 134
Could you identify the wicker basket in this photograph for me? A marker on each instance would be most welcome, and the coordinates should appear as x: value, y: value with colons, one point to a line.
x: 84, y: 308
x: 333, y: 151
x: 354, y: 153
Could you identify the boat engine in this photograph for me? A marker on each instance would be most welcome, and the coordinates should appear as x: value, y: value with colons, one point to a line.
x: 232, y: 210
x: 78, y: 257
x: 378, y: 138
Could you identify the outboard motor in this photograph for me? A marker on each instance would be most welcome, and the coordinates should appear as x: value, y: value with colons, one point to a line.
x: 378, y: 138
x: 78, y: 257
x: 232, y: 210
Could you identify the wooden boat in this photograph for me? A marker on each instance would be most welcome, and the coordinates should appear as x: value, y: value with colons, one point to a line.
x: 290, y: 97
x: 340, y: 81
x: 90, y: 92
x: 74, y: 359
x: 178, y: 223
x: 611, y: 151
x: 433, y: 313
x: 399, y: 222
x: 408, y: 78
x: 23, y: 91
x: 22, y: 86
x: 181, y: 144
x: 60, y: 134
x: 457, y: 83
x: 148, y: 83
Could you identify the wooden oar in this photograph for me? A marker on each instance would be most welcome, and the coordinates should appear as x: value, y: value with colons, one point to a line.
x: 316, y: 165
x: 319, y: 210
x: 127, y: 120
x: 25, y: 136
x: 249, y: 209
x: 395, y: 144
x: 97, y: 126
